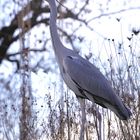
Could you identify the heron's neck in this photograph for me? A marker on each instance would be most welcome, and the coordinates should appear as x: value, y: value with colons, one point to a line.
x: 57, y: 45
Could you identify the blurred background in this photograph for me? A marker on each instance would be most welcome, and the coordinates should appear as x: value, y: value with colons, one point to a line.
x: 35, y: 103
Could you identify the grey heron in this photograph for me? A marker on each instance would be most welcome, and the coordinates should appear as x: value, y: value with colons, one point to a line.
x: 82, y: 77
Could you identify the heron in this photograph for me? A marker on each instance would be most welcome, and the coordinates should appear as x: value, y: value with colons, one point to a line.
x: 82, y: 77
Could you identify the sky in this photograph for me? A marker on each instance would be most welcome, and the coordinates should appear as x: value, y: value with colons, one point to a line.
x: 103, y: 27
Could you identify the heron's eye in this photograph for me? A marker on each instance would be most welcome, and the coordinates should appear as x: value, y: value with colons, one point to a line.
x: 70, y: 57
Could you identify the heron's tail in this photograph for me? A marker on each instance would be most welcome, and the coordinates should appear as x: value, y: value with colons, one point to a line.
x: 123, y: 113
x: 120, y: 110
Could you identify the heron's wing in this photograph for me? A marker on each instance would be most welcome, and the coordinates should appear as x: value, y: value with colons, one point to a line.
x: 89, y: 78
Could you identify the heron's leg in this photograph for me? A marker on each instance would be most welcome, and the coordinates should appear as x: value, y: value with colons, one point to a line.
x: 97, y: 113
x: 82, y: 104
x: 99, y: 122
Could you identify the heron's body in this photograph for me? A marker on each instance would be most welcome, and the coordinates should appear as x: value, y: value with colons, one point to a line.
x: 82, y: 77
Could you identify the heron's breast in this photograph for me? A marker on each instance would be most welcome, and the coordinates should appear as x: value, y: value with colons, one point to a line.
x: 70, y: 83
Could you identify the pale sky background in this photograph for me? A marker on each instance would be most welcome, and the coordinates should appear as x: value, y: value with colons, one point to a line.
x: 106, y: 26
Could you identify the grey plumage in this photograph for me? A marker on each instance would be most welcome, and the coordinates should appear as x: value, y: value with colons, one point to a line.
x: 87, y: 78
x: 82, y: 77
